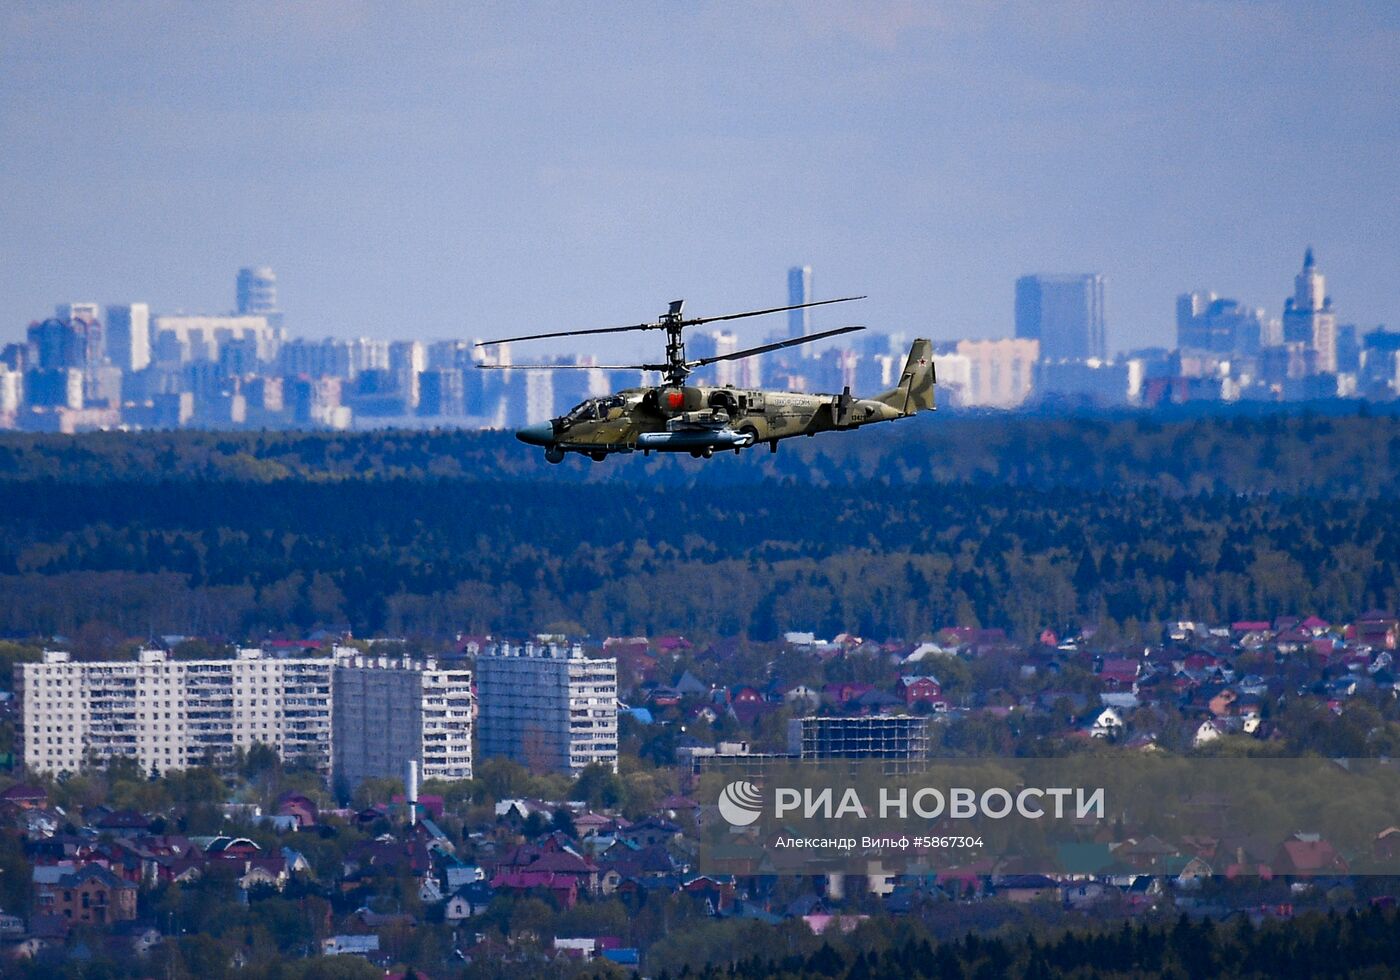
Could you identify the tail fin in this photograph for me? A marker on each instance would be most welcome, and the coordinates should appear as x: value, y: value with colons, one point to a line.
x: 915, y: 389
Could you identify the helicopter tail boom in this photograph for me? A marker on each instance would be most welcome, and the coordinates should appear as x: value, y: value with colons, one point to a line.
x: 914, y: 393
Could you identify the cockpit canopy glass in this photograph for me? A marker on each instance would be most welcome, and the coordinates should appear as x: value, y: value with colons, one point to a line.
x: 592, y: 409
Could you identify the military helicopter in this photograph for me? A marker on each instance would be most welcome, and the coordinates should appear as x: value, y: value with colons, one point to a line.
x: 701, y: 420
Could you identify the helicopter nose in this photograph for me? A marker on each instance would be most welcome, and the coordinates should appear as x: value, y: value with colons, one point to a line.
x: 539, y: 434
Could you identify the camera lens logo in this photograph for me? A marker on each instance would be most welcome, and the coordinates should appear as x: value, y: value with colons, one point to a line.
x: 740, y: 803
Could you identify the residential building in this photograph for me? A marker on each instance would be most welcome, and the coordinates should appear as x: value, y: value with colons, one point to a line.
x: 954, y: 373
x: 441, y: 392
x: 129, y: 336
x: 58, y: 343
x: 178, y: 338
x: 1064, y: 312
x: 11, y: 391
x: 1308, y: 318
x: 60, y: 387
x: 1205, y: 321
x: 407, y: 360
x: 1380, y: 363
x: 90, y: 895
x: 1000, y: 373
x: 549, y: 707
x: 172, y: 714
x: 256, y: 290
x: 392, y: 710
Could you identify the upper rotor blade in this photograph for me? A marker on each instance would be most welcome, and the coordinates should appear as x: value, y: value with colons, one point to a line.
x: 570, y: 333
x: 661, y: 325
x: 791, y: 342
x: 572, y: 367
x: 776, y: 309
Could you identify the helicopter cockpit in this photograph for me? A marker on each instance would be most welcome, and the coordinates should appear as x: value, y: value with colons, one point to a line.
x: 592, y: 410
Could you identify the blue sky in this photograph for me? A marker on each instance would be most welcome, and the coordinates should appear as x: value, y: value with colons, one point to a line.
x: 422, y: 169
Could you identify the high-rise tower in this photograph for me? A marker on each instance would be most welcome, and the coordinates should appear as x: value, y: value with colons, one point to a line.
x: 1308, y: 317
x: 1064, y: 313
x: 257, y: 290
x: 257, y: 293
x: 799, y: 291
x: 129, y: 335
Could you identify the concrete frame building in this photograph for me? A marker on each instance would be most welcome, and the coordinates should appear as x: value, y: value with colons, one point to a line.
x: 547, y: 707
x: 172, y: 714
x: 898, y: 737
x: 389, y: 711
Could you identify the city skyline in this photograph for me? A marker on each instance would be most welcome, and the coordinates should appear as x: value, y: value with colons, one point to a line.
x: 798, y: 281
x: 554, y: 175
x: 84, y: 368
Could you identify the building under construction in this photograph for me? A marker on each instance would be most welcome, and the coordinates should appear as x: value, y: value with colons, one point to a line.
x: 901, y: 737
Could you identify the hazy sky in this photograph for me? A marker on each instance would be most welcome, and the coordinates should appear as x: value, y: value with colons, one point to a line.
x: 449, y: 169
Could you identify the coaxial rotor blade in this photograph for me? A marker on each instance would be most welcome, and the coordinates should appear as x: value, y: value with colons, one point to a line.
x: 776, y: 309
x: 572, y: 367
x: 661, y: 324
x: 792, y: 342
x: 570, y: 333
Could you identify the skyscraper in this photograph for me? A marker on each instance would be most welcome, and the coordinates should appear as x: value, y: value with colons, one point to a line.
x: 129, y: 336
x: 257, y: 290
x: 257, y: 294
x: 799, y: 291
x: 1064, y: 313
x: 1308, y: 317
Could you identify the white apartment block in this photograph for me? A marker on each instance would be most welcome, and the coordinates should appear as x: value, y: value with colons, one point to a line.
x: 548, y: 707
x: 172, y: 714
x: 390, y: 710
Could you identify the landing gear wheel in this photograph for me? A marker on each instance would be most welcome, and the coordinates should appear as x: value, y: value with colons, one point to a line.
x: 554, y: 454
x: 598, y: 457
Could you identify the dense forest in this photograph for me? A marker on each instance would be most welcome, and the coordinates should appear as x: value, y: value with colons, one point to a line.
x: 1357, y: 944
x: 1353, y: 455
x: 1016, y: 522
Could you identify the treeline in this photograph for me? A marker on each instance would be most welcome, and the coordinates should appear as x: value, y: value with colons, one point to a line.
x: 1356, y: 455
x: 1357, y: 944
x: 420, y: 556
x: 1013, y: 522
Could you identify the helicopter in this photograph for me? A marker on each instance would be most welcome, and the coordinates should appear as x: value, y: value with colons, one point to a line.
x: 676, y: 416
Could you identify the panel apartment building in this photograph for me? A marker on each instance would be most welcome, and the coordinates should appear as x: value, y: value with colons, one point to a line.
x: 172, y: 714
x: 389, y: 710
x: 548, y: 707
x: 349, y: 716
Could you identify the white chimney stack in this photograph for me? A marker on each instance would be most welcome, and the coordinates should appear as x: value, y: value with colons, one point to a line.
x: 410, y: 786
